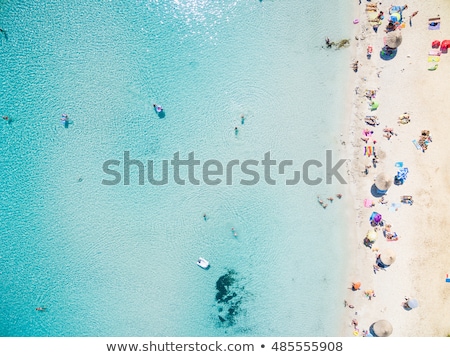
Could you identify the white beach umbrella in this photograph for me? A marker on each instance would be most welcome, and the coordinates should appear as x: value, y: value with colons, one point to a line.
x: 387, y: 257
x: 383, y: 182
x: 394, y: 39
x: 382, y: 328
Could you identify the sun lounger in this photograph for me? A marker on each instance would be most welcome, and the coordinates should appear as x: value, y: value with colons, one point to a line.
x: 434, y: 23
x: 416, y: 144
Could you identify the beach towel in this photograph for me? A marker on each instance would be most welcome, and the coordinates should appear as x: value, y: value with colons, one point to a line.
x: 434, y: 52
x: 434, y: 58
x: 394, y: 207
x: 368, y: 150
x: 418, y: 147
x: 402, y: 174
x: 367, y: 203
x: 434, y: 23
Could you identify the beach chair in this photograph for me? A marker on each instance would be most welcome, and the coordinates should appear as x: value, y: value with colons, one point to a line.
x: 434, y: 23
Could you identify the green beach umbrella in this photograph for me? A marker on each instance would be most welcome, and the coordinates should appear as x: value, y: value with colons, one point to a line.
x: 374, y: 105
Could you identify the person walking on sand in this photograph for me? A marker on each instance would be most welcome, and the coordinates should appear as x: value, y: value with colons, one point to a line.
x: 412, y: 15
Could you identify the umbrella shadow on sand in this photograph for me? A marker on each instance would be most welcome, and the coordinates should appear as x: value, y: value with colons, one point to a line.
x: 375, y: 192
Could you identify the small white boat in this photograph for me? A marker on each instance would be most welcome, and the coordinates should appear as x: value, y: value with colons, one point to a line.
x: 203, y: 263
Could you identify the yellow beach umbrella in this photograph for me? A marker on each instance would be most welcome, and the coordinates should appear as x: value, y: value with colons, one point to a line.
x: 372, y: 235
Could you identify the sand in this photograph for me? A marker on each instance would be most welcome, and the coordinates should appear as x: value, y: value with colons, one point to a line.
x: 403, y: 84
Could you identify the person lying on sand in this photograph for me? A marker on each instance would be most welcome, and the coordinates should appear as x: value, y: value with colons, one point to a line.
x: 390, y: 27
x: 370, y: 94
x: 404, y: 118
x: 392, y: 236
x: 366, y: 170
x: 372, y: 120
x: 355, y: 66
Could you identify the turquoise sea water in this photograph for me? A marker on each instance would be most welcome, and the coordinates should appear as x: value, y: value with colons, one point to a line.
x: 120, y: 260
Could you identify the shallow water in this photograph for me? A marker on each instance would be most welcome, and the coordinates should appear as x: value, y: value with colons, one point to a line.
x: 120, y: 260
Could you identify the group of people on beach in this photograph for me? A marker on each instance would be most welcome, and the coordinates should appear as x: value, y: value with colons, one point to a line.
x: 388, y: 132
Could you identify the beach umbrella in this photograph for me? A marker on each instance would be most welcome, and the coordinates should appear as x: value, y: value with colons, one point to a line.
x: 383, y: 182
x: 372, y: 235
x: 375, y: 217
x: 374, y: 105
x: 387, y: 257
x: 395, y: 17
x: 393, y: 39
x: 412, y: 303
x: 381, y: 328
x: 356, y: 286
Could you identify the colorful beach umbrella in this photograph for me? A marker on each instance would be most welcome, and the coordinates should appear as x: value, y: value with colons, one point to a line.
x: 394, y: 39
x: 381, y: 328
x: 376, y: 217
x: 395, y: 17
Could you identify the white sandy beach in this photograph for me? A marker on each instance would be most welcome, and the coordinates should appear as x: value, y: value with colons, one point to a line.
x: 403, y: 84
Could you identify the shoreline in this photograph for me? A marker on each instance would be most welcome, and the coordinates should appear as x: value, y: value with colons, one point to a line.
x: 421, y: 264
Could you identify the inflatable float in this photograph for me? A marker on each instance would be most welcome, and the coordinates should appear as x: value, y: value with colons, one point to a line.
x: 158, y: 108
